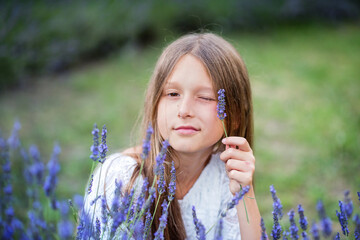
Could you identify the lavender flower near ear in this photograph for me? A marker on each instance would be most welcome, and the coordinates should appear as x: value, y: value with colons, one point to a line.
x: 221, y: 107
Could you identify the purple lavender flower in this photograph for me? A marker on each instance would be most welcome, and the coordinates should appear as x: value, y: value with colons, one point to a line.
x: 315, y: 231
x: 97, y: 229
x: 304, y: 236
x: 90, y: 184
x: 103, y: 147
x: 147, y: 223
x: 51, y: 180
x: 65, y: 227
x: 356, y: 220
x: 159, y: 234
x: 14, y: 141
x: 95, y: 200
x: 343, y: 219
x: 276, y: 202
x: 219, y: 229
x: 238, y: 196
x: 84, y: 229
x: 95, y: 147
x: 264, y: 236
x: 348, y: 204
x: 146, y: 142
x: 325, y: 221
x: 337, y: 236
x: 276, y: 231
x: 293, y: 228
x: 121, y: 213
x: 199, y: 227
x: 358, y: 193
x: 285, y: 235
x: 221, y: 105
x: 303, y: 220
x: 116, y: 200
x: 161, y: 158
x: 104, y: 213
x: 172, y: 184
x: 141, y: 199
x: 161, y: 181
x: 37, y: 168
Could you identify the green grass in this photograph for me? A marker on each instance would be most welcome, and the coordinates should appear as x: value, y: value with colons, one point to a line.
x: 305, y: 84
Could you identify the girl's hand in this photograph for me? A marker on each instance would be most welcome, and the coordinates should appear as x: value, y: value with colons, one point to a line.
x: 239, y: 162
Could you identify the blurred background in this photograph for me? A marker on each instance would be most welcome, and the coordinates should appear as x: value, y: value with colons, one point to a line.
x: 65, y: 65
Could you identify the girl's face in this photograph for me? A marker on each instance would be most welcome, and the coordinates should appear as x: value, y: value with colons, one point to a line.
x: 187, y: 114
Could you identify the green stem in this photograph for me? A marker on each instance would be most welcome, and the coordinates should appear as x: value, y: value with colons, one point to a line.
x: 224, y: 128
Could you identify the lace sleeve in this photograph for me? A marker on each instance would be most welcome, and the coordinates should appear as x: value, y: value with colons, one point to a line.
x: 116, y: 167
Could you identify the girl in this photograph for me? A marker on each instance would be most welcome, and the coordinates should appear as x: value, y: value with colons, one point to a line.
x: 181, y: 105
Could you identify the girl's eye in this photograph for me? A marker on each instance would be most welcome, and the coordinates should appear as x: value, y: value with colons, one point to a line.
x: 173, y: 94
x: 207, y: 99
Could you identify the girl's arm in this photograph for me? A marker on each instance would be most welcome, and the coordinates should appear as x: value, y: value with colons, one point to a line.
x: 240, y: 167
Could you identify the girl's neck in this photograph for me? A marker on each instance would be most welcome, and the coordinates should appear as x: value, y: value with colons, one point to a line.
x: 189, y: 170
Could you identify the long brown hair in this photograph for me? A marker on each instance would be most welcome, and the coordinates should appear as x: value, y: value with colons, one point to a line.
x: 227, y: 70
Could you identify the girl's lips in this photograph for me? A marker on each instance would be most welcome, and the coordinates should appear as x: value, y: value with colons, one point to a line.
x: 186, y: 130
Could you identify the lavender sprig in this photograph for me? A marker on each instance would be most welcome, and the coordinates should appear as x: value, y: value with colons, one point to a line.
x: 221, y: 105
x: 199, y: 227
x: 325, y: 221
x: 276, y: 231
x: 51, y: 180
x: 303, y: 220
x: 160, y: 158
x: 276, y: 202
x: 103, y: 146
x: 348, y: 205
x: 146, y: 142
x: 159, y: 234
x: 172, y: 184
x: 219, y: 229
x: 343, y: 219
x: 264, y: 236
x: 221, y: 108
x: 95, y: 147
x: 293, y: 228
x: 238, y: 196
x: 315, y: 231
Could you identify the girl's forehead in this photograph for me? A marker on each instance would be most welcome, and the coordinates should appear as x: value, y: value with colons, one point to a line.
x: 190, y: 71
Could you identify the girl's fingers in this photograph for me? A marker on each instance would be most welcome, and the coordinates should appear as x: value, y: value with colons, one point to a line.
x: 241, y: 178
x: 240, y: 142
x: 232, y: 153
x: 241, y: 166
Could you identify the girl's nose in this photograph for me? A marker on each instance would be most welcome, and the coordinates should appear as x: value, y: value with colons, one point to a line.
x: 185, y: 108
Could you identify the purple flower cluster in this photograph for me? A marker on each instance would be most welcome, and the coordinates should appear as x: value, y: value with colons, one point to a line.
x: 343, y: 219
x: 146, y: 142
x: 199, y: 227
x: 276, y: 202
x: 221, y: 105
x: 303, y: 220
x: 293, y: 228
x: 238, y: 196
x: 103, y: 146
x: 264, y: 236
x: 125, y: 219
x: 95, y: 147
x: 326, y: 224
x: 172, y: 184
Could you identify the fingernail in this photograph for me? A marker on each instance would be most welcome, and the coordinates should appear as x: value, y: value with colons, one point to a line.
x: 223, y: 141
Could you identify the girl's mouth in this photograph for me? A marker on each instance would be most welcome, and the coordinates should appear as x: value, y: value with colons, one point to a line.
x: 186, y: 130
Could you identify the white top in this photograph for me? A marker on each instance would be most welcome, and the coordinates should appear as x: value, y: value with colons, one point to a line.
x: 209, y: 194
